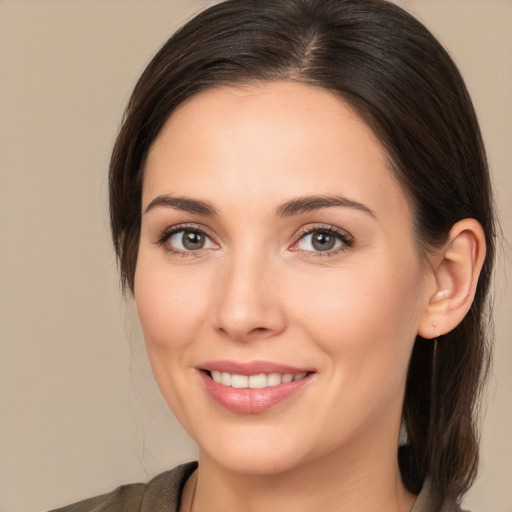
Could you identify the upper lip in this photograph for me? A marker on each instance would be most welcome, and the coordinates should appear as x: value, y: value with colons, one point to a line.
x: 251, y: 367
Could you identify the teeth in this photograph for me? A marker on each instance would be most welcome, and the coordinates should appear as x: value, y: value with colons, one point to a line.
x: 239, y: 381
x: 258, y: 381
x: 261, y: 380
x: 273, y: 379
x: 225, y: 379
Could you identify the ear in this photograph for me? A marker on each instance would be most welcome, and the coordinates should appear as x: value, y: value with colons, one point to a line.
x: 455, y: 271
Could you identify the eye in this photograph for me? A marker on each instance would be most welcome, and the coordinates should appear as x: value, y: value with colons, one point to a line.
x: 186, y: 239
x: 323, y: 240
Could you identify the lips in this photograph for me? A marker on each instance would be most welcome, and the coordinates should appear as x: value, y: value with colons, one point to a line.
x: 252, y: 387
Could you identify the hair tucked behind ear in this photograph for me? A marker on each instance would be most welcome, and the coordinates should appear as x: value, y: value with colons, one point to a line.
x: 405, y: 86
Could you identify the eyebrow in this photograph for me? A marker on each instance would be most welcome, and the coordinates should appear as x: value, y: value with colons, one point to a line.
x: 293, y: 207
x: 310, y: 203
x: 182, y: 203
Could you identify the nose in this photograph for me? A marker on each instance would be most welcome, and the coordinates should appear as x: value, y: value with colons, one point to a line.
x: 247, y: 303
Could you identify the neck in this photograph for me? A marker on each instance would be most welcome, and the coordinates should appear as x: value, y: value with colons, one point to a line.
x: 338, y: 482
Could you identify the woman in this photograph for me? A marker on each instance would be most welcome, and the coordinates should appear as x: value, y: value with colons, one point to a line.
x: 300, y: 204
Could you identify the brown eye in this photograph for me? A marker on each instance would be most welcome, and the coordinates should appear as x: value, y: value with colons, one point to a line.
x: 188, y: 240
x: 193, y: 240
x: 323, y: 241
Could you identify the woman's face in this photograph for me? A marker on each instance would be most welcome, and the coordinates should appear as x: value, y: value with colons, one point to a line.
x: 277, y: 257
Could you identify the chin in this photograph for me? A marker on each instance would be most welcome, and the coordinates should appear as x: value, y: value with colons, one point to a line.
x: 262, y: 462
x: 260, y: 449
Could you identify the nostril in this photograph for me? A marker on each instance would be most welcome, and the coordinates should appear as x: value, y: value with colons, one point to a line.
x: 259, y: 329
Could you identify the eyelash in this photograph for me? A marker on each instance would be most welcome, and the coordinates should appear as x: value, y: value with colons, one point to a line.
x: 346, y: 239
x: 168, y: 233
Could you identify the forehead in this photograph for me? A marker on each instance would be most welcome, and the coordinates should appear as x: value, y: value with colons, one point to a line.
x: 275, y: 140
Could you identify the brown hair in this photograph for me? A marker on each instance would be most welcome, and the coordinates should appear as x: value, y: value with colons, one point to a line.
x: 402, y: 82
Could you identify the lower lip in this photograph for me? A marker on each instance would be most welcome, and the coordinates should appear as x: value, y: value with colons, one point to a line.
x: 249, y: 400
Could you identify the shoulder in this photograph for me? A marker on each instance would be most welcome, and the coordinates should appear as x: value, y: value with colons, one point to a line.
x: 161, y: 494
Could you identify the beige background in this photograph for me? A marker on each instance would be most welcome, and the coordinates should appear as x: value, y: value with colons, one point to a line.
x: 79, y: 412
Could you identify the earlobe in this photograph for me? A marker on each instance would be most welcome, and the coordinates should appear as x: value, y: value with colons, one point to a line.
x: 456, y: 273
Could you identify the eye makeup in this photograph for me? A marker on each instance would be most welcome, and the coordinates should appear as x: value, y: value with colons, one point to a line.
x: 193, y: 235
x: 328, y: 240
x: 318, y: 240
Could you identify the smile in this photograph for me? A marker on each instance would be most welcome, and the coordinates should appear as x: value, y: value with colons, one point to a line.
x: 258, y: 381
x: 253, y: 387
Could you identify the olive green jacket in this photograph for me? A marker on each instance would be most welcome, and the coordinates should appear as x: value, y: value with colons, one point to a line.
x: 163, y: 494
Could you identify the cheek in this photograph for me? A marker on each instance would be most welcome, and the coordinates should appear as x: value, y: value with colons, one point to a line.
x: 171, y: 312
x: 356, y: 299
x: 365, y: 317
x: 170, y: 305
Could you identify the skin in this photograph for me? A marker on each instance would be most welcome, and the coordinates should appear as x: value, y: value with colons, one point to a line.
x: 257, y: 291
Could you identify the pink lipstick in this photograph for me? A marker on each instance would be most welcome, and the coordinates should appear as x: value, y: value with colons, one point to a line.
x: 252, y: 387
